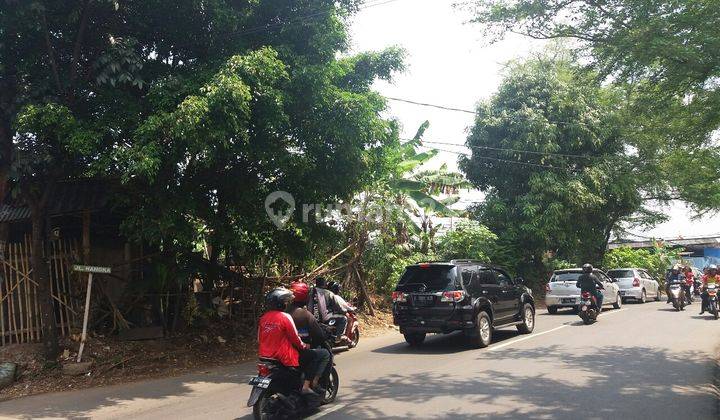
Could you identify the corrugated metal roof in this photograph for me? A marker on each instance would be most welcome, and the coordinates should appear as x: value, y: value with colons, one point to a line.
x: 68, y: 197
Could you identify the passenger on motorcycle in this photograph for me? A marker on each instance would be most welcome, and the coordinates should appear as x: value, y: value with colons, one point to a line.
x: 689, y: 281
x: 278, y: 338
x: 589, y: 282
x: 310, y: 332
x: 712, y: 277
x: 325, y: 305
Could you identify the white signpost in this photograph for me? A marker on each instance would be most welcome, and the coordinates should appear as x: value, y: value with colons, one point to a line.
x: 90, y: 270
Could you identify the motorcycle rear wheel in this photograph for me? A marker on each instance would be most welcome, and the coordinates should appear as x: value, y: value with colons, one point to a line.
x: 331, y: 385
x: 262, y: 410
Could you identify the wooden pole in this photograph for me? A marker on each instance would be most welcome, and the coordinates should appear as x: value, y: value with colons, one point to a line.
x: 85, y: 317
x: 86, y: 236
x: 38, y: 318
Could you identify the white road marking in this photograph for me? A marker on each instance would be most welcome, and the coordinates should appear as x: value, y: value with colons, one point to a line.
x: 328, y: 411
x: 499, y: 346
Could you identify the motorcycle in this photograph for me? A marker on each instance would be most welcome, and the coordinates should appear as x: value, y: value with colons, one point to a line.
x: 696, y: 287
x: 712, y: 301
x: 276, y: 392
x: 677, y: 296
x: 588, y: 308
x: 352, y: 331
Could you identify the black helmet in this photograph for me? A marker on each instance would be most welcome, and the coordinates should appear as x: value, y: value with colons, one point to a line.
x: 321, y: 282
x: 278, y: 298
x: 334, y: 287
x: 587, y: 268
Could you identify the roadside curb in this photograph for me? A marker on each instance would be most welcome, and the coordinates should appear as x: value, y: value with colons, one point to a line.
x: 716, y: 384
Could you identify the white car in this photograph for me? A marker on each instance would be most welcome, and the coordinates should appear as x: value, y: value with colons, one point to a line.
x: 561, y: 291
x: 636, y: 284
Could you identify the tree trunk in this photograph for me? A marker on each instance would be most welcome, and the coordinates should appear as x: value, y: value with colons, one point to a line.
x: 41, y: 275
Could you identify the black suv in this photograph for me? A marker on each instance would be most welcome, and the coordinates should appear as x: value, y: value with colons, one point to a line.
x: 460, y: 295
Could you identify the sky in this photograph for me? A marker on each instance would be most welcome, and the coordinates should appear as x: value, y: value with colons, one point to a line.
x: 450, y: 63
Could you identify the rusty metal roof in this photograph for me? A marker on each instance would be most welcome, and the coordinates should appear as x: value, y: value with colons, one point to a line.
x: 68, y: 197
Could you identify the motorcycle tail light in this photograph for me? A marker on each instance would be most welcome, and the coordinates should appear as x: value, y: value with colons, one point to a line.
x: 455, y: 296
x: 636, y: 282
x: 399, y: 297
x: 263, y: 369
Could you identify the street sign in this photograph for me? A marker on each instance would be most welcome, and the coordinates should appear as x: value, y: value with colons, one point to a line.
x: 91, y: 269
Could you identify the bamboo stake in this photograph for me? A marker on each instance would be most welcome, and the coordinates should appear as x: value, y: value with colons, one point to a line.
x: 12, y: 296
x: 26, y: 303
x: 85, y: 317
x: 2, y: 304
x: 36, y: 308
x: 58, y: 284
x: 64, y: 285
x: 32, y: 316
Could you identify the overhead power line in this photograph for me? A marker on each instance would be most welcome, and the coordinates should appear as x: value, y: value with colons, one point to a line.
x: 514, y: 162
x: 502, y: 149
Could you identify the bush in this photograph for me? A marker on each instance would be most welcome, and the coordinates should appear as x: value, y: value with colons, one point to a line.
x: 655, y: 260
x: 469, y: 240
x: 385, y: 262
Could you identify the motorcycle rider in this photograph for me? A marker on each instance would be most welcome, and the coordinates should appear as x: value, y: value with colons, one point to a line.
x: 712, y: 277
x: 324, y: 305
x: 278, y: 338
x: 673, y: 276
x: 589, y: 282
x: 689, y: 281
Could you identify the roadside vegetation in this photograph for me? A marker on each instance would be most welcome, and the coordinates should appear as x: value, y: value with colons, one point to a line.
x: 202, y: 109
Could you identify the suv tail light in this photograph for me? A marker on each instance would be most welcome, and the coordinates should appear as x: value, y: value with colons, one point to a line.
x: 586, y: 295
x: 636, y: 282
x: 455, y: 296
x: 399, y: 297
x: 547, y: 287
x: 263, y: 369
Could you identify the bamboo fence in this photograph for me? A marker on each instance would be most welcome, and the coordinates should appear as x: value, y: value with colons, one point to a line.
x: 20, y: 320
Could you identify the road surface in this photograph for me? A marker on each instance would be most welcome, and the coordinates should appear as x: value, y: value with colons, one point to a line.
x: 643, y: 361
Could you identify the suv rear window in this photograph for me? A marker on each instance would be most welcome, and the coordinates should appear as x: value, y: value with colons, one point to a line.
x: 435, y: 278
x: 565, y: 277
x: 621, y: 274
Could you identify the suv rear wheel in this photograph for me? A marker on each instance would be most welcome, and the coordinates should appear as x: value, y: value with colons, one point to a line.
x: 528, y: 319
x: 482, y: 335
x: 415, y: 339
x: 552, y: 310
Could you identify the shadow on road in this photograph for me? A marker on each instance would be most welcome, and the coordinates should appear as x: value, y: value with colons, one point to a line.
x: 607, y: 383
x: 443, y: 344
x: 82, y: 408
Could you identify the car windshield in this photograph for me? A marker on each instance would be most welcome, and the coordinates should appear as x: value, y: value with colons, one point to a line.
x: 565, y: 277
x: 621, y: 274
x: 434, y: 277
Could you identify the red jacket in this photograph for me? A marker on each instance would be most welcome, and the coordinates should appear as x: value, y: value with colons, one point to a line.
x: 689, y: 278
x: 278, y: 338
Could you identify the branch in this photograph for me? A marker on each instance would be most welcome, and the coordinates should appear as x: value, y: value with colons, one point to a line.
x: 51, y: 54
x: 79, y: 40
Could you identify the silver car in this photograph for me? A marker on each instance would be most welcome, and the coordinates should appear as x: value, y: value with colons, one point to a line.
x: 561, y: 291
x: 636, y: 284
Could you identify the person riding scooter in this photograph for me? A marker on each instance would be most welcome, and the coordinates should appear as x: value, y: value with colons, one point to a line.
x: 712, y: 277
x: 674, y: 276
x: 589, y: 282
x: 278, y: 339
x: 689, y: 281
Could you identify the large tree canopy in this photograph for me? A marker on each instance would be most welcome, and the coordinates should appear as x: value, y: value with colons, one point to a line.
x: 549, y: 151
x: 667, y: 51
x: 200, y: 107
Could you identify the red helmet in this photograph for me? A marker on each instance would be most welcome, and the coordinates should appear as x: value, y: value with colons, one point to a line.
x: 301, y: 291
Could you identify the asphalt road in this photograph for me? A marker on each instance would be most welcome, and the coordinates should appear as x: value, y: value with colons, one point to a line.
x: 643, y: 361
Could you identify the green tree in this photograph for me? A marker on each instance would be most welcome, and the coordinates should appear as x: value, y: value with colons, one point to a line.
x: 667, y: 52
x: 200, y: 107
x: 548, y: 149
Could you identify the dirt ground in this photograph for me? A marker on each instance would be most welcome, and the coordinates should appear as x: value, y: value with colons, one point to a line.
x: 118, y: 361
